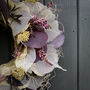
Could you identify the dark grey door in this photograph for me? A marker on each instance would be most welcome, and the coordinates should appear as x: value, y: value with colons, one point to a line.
x: 75, y: 15
x: 68, y: 16
x: 84, y: 46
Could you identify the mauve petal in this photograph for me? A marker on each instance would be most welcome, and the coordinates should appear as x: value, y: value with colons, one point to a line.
x: 37, y: 40
x: 58, y: 41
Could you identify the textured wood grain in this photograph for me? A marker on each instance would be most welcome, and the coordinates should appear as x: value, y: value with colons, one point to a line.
x: 84, y: 44
x: 68, y: 16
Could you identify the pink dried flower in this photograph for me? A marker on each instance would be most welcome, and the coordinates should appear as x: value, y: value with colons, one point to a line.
x: 41, y: 22
x: 43, y: 56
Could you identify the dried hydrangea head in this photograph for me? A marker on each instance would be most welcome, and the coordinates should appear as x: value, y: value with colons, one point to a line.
x: 23, y: 36
x: 18, y: 73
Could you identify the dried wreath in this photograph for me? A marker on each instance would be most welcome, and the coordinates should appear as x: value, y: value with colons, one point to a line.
x: 37, y: 38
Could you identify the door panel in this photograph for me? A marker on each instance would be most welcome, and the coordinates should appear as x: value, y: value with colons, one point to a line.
x: 68, y: 16
x: 84, y: 61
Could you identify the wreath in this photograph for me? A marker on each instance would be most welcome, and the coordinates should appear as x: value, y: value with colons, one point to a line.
x: 37, y: 43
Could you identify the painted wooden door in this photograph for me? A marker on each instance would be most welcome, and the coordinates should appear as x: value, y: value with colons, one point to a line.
x: 68, y: 16
x: 75, y: 15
